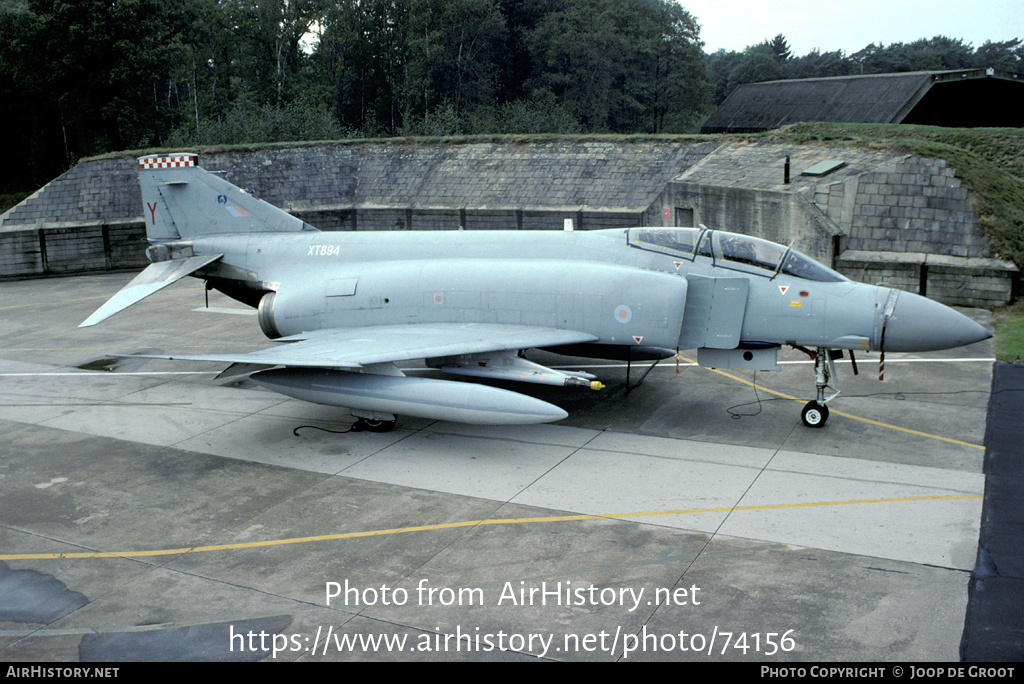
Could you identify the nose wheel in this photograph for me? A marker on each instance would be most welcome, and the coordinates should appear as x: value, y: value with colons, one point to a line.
x: 814, y: 414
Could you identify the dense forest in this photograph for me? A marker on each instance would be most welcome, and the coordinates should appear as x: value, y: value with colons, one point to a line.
x: 83, y: 77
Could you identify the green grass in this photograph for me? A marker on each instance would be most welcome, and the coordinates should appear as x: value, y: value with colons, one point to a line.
x: 495, y: 138
x: 1009, y: 325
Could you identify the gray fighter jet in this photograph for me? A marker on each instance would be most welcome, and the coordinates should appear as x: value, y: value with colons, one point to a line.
x: 347, y: 305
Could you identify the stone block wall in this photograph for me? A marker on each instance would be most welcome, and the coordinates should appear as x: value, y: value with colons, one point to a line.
x: 77, y: 222
x: 21, y: 253
x: 903, y: 275
x: 95, y: 191
x: 976, y: 282
x: 912, y: 204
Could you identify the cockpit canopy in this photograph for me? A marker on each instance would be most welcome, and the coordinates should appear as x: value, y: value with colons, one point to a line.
x: 732, y: 249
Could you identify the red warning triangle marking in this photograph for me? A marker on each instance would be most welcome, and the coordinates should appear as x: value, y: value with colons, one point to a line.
x: 783, y: 288
x: 638, y: 338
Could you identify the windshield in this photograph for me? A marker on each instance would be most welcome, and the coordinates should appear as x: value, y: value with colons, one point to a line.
x: 801, y: 266
x: 732, y: 248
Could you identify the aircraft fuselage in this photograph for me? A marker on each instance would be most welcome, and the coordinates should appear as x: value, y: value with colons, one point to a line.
x: 596, y: 281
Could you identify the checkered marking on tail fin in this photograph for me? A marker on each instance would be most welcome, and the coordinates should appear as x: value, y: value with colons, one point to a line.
x: 173, y: 161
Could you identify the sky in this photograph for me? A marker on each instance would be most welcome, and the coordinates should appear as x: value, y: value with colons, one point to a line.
x: 830, y: 25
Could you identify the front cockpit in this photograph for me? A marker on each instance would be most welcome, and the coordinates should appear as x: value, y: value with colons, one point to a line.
x: 732, y: 250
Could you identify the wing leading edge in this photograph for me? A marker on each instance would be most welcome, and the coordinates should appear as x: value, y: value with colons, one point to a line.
x: 355, y: 348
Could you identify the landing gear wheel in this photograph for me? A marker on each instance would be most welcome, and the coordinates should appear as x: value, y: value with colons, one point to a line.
x: 373, y: 425
x: 814, y: 414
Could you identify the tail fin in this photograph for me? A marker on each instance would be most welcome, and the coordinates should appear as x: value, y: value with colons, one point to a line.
x: 182, y: 201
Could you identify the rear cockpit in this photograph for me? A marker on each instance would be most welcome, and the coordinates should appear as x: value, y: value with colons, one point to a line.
x: 732, y: 250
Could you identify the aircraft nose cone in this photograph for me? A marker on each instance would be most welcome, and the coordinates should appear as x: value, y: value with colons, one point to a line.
x: 920, y: 324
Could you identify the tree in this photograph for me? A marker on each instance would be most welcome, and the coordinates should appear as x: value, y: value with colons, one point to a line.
x: 213, y: 48
x: 577, y: 55
x: 817, y: 64
x: 678, y: 93
x: 780, y: 48
x: 362, y: 56
x: 622, y: 66
x: 454, y: 51
x: 940, y: 52
x: 1004, y: 56
x: 109, y: 67
x: 720, y: 66
x: 759, y: 64
x: 26, y: 105
x: 927, y: 54
x: 272, y: 32
x: 517, y: 62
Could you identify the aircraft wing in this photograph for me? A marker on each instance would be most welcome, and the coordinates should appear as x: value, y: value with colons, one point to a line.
x: 353, y: 348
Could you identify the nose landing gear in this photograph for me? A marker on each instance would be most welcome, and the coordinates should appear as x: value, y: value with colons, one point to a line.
x: 815, y: 413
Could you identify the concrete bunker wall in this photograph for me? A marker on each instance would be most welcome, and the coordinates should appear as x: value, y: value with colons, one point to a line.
x: 917, y: 203
x: 90, y: 218
x: 894, y: 220
x: 910, y: 224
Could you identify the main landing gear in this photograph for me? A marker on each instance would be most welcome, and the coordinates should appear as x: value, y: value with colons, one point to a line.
x: 815, y: 413
x: 370, y: 421
x: 372, y: 425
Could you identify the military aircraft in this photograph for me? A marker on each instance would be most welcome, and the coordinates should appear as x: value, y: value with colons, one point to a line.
x: 348, y: 305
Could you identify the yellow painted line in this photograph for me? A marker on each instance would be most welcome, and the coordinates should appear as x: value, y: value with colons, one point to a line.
x: 465, y: 523
x: 843, y: 414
